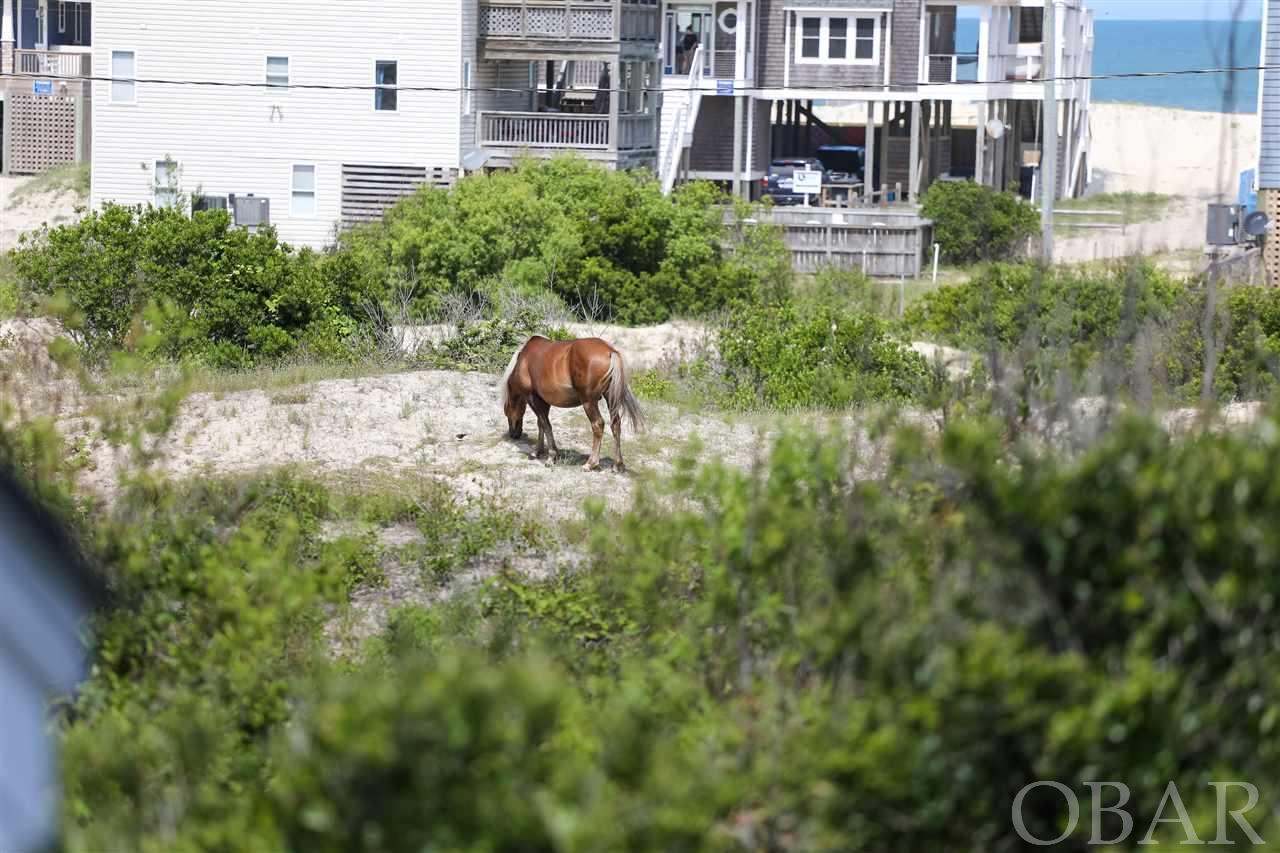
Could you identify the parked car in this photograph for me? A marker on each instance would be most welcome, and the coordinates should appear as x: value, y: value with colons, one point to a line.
x: 845, y: 163
x: 778, y: 184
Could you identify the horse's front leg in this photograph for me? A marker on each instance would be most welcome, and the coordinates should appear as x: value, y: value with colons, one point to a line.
x: 592, y: 408
x: 543, y: 411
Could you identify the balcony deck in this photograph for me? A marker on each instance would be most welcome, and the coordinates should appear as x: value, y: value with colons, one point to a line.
x: 530, y: 29
x: 507, y: 135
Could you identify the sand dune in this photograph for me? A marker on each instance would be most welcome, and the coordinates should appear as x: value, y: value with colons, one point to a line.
x: 1176, y: 152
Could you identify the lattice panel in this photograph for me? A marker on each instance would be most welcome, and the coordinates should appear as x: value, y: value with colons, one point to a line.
x: 591, y: 23
x: 1269, y: 203
x: 500, y: 20
x: 43, y: 132
x: 546, y: 22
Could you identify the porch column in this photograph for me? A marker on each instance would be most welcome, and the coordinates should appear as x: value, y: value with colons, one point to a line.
x: 980, y: 146
x: 915, y: 151
x: 7, y: 39
x: 869, y: 156
x: 615, y: 100
x: 739, y: 99
x: 884, y: 148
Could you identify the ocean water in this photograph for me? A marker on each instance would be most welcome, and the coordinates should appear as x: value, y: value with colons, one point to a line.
x: 1127, y: 46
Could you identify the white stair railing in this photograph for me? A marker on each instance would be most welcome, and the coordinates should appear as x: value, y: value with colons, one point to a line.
x: 681, y: 135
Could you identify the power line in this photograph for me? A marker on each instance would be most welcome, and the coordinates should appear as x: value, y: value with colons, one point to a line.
x: 375, y: 87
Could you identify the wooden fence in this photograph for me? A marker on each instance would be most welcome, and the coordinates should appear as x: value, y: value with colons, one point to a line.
x: 881, y: 242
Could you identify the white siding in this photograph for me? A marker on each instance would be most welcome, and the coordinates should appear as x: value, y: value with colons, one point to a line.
x: 246, y: 140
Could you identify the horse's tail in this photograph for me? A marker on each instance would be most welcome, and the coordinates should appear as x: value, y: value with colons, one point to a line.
x: 504, y: 390
x: 619, y: 395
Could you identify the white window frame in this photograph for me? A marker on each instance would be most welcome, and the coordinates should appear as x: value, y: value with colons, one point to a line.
x: 824, y: 36
x: 288, y: 71
x: 467, y: 74
x: 378, y: 86
x: 293, y: 191
x: 155, y: 184
x: 111, y: 71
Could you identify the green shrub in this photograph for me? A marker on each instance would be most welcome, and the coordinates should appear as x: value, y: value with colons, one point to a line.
x: 822, y: 357
x: 224, y: 289
x: 608, y: 243
x: 972, y: 222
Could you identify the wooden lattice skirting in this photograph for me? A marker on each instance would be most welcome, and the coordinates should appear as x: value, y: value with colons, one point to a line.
x: 369, y: 191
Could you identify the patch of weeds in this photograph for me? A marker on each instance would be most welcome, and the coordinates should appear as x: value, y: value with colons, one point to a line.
x: 454, y: 531
x: 289, y: 398
x: 652, y: 385
x: 358, y: 557
x: 296, y: 419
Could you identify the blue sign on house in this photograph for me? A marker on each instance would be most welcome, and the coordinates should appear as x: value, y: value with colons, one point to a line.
x: 42, y: 87
x: 724, y: 87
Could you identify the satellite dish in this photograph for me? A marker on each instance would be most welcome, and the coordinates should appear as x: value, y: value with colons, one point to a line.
x: 1256, y: 224
x: 996, y: 128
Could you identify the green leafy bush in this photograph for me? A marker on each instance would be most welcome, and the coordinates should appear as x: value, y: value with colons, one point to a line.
x: 229, y: 296
x: 609, y: 243
x: 789, y: 358
x: 972, y: 222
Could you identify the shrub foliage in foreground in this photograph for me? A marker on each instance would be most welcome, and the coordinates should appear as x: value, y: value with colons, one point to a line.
x: 1141, y: 328
x: 793, y: 658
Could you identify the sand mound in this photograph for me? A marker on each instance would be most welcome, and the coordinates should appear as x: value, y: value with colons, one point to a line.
x: 642, y: 346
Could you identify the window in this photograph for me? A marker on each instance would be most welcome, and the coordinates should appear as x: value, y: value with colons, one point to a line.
x: 466, y: 88
x: 277, y: 71
x: 303, y: 203
x: 1030, y: 25
x: 123, y: 72
x: 839, y: 38
x: 165, y: 188
x: 62, y: 17
x: 811, y: 38
x: 384, y: 76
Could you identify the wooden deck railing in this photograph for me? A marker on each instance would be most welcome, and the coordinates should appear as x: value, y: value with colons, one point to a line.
x: 637, y: 131
x: 544, y: 130
x: 51, y: 63
x: 570, y: 20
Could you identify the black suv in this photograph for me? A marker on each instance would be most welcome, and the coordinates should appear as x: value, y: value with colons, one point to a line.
x: 777, y: 184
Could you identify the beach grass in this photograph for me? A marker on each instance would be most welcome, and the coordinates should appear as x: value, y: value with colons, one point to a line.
x: 1136, y: 206
x: 73, y: 178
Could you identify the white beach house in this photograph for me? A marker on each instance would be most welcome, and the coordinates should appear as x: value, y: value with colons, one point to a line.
x: 447, y: 84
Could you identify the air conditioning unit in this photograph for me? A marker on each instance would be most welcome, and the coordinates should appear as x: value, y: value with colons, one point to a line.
x: 1235, y: 225
x: 249, y: 211
x: 208, y: 202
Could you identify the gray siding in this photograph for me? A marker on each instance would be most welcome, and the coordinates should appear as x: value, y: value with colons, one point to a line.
x: 712, y: 149
x: 1269, y: 160
x: 904, y: 47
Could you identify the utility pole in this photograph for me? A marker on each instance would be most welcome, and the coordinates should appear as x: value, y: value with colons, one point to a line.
x: 1049, y: 150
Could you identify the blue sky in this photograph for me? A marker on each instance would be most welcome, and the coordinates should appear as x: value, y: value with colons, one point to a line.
x: 1172, y: 10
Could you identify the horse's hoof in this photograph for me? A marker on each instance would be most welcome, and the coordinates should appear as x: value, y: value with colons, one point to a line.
x: 591, y: 466
x: 620, y: 469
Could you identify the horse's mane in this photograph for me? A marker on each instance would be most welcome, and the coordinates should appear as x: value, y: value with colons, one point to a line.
x: 503, y: 390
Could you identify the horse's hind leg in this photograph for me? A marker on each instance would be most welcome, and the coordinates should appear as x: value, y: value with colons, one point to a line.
x: 615, y: 421
x: 592, y: 408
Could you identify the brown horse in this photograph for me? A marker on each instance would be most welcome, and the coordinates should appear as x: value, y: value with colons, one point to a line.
x: 565, y: 374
